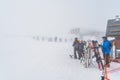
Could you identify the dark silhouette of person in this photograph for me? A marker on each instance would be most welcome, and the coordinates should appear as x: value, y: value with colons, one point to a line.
x: 76, y: 48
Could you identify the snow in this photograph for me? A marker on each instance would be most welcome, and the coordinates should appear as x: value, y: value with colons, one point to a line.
x: 23, y: 58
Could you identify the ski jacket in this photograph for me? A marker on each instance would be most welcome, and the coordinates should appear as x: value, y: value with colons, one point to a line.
x: 85, y: 49
x: 106, y: 47
x: 81, y: 47
x: 76, y: 44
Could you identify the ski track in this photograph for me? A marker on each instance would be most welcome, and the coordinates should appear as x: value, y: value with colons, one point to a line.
x: 28, y: 59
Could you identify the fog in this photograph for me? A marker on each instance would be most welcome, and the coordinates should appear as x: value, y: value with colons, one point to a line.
x: 49, y: 23
x: 55, y: 17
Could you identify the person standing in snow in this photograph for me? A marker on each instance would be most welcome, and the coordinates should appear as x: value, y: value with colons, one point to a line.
x: 76, y: 48
x: 81, y: 49
x: 106, y: 51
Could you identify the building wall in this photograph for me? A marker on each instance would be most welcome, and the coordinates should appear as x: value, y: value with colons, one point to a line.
x: 117, y: 43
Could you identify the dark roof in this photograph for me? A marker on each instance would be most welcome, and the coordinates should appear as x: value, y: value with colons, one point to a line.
x: 113, y: 27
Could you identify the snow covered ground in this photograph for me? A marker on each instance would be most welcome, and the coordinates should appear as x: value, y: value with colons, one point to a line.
x: 27, y: 59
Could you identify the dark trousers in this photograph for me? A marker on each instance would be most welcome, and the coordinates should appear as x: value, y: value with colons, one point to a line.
x: 76, y: 51
x: 107, y: 59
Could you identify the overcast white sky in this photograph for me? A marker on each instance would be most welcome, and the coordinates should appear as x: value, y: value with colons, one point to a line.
x: 55, y: 17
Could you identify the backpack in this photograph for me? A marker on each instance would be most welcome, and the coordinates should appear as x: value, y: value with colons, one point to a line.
x: 110, y: 45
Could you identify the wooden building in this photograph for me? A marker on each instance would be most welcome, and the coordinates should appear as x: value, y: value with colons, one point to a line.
x: 113, y: 30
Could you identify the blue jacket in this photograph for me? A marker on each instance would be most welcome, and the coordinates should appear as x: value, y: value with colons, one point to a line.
x: 106, y: 47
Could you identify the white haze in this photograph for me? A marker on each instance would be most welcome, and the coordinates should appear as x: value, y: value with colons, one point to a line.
x: 55, y: 17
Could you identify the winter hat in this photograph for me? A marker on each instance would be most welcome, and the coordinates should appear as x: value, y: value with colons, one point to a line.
x: 104, y: 37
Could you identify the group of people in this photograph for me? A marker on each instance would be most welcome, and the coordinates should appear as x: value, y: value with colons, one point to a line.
x: 80, y: 49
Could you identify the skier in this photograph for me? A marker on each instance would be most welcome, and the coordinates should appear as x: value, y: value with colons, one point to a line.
x: 86, y: 54
x: 55, y: 39
x: 106, y: 51
x: 76, y: 48
x: 97, y: 54
x: 81, y: 49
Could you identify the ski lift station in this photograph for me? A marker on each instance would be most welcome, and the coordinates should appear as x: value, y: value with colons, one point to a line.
x: 113, y: 31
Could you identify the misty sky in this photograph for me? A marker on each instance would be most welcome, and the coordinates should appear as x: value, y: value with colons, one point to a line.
x: 55, y: 17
